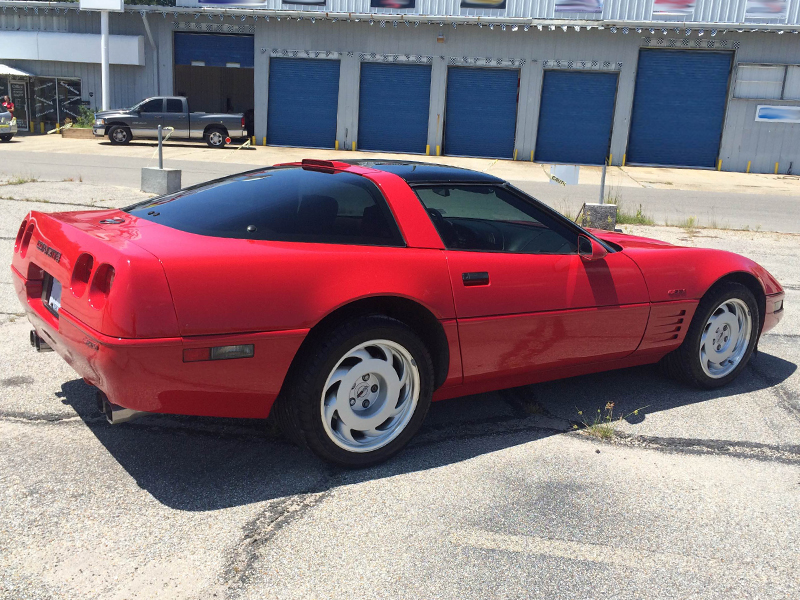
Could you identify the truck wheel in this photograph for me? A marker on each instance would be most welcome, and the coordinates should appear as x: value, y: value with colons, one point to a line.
x: 119, y: 135
x: 215, y: 137
x: 6, y: 138
x: 361, y: 394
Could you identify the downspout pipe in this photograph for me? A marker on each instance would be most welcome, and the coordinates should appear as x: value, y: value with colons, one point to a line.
x: 155, y: 49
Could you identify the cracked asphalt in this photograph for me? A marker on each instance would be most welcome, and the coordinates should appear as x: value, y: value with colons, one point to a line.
x: 500, y: 496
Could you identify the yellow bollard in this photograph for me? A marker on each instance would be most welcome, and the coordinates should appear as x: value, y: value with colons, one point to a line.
x: 336, y: 145
x: 264, y: 141
x: 776, y: 168
x: 41, y: 126
x: 427, y: 150
x: 438, y: 151
x: 253, y: 141
x: 354, y: 146
x: 748, y: 166
x: 610, y: 158
x: 719, y: 165
x: 624, y: 156
x: 531, y: 155
x: 515, y: 154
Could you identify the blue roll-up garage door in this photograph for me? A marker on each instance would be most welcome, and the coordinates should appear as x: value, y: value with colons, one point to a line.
x: 393, y: 107
x: 679, y: 107
x: 303, y: 102
x: 481, y: 112
x: 214, y: 50
x: 575, y: 117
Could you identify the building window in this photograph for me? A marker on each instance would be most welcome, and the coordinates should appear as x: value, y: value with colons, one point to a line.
x: 767, y: 82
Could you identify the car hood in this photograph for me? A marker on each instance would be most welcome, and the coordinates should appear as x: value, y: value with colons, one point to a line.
x: 105, y: 114
x: 630, y: 241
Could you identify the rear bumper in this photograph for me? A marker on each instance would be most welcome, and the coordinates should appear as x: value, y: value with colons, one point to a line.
x: 150, y: 375
x: 772, y: 316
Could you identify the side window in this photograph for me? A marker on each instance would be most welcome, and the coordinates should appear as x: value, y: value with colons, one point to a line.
x: 492, y: 219
x: 174, y: 105
x: 152, y: 106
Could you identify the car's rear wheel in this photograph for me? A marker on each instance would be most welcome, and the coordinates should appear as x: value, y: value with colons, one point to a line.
x: 119, y: 135
x: 215, y: 137
x: 360, y: 395
x: 6, y: 138
x: 720, y: 339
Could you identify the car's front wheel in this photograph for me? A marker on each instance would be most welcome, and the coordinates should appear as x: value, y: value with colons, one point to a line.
x: 7, y: 137
x: 360, y: 395
x: 119, y: 135
x: 720, y: 339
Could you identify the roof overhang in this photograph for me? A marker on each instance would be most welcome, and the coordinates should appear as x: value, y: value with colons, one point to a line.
x: 6, y: 71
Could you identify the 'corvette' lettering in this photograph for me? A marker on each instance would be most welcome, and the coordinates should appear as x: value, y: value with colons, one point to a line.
x: 51, y: 252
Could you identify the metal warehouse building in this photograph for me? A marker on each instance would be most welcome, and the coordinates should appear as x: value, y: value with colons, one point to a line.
x: 717, y: 86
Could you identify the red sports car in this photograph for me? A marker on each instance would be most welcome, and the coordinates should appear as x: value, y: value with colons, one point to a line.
x: 349, y: 295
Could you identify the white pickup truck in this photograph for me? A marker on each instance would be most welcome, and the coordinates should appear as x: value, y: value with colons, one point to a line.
x: 143, y: 119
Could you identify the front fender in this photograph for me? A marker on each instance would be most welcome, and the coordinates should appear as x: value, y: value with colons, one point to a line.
x: 678, y: 273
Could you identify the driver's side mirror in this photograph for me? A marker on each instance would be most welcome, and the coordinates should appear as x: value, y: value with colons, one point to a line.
x: 589, y: 249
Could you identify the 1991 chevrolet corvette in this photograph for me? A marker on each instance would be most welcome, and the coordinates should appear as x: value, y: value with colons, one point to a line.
x: 348, y: 295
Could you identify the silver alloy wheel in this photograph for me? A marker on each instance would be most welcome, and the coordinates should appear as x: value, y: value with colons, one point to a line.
x: 215, y: 138
x: 120, y: 135
x: 370, y: 396
x: 725, y: 338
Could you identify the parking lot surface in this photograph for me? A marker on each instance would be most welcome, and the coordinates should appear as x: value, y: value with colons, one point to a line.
x: 502, y: 495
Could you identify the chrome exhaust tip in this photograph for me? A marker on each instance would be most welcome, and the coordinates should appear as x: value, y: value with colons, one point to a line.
x: 38, y: 343
x: 116, y: 414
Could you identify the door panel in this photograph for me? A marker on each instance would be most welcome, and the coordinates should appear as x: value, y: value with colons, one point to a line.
x: 540, y: 311
x: 393, y: 107
x: 679, y: 107
x: 481, y: 112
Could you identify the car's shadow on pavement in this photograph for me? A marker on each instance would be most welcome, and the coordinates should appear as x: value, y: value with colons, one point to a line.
x: 196, y: 463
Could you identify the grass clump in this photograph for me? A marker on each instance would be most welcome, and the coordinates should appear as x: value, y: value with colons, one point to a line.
x: 601, y: 425
x: 625, y: 217
x: 20, y: 179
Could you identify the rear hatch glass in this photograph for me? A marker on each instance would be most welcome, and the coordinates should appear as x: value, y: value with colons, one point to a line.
x: 282, y: 204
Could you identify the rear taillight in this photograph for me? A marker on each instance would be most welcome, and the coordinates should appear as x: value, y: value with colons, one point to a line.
x: 81, y: 274
x: 20, y: 233
x: 101, y: 285
x: 26, y: 239
x: 242, y: 122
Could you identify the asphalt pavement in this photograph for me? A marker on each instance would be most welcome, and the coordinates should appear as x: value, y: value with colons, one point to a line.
x: 502, y: 495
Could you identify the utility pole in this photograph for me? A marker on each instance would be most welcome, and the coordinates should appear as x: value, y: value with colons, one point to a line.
x: 104, y: 7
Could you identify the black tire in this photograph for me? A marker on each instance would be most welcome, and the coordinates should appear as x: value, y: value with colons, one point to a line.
x: 299, y: 410
x: 684, y: 363
x: 215, y: 137
x: 119, y: 135
x: 7, y: 137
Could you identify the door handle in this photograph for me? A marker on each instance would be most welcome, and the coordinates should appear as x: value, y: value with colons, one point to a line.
x: 475, y: 278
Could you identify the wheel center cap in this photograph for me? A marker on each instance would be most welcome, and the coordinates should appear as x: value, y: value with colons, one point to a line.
x: 362, y: 391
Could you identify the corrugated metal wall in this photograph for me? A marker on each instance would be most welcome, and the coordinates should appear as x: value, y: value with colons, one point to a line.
x: 761, y: 143
x: 743, y: 139
x: 724, y: 11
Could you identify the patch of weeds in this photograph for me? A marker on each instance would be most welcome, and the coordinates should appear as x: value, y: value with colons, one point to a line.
x: 625, y: 217
x: 20, y: 179
x: 690, y: 224
x: 600, y: 425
